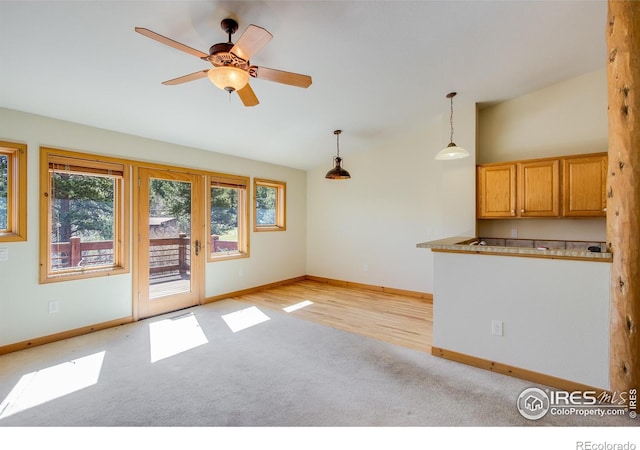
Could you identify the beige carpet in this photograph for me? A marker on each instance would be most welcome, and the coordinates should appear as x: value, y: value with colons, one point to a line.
x: 231, y: 364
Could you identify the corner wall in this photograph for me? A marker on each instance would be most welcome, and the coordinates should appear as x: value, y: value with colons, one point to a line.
x: 365, y: 229
x: 567, y: 118
x: 24, y: 302
x: 555, y: 313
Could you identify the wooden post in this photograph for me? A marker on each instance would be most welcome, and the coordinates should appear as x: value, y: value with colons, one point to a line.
x: 623, y: 190
x: 75, y: 253
x: 214, y: 243
x: 182, y: 252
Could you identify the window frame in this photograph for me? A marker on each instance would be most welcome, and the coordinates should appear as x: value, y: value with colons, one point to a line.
x: 16, y: 192
x: 242, y: 184
x: 92, y: 164
x: 281, y: 204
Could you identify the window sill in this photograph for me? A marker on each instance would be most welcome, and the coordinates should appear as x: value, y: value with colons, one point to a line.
x: 269, y: 228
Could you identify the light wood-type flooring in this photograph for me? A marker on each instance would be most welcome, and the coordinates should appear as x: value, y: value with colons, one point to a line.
x: 402, y: 320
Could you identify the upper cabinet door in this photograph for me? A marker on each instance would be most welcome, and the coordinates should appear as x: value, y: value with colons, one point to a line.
x: 585, y: 186
x: 496, y: 191
x: 539, y: 188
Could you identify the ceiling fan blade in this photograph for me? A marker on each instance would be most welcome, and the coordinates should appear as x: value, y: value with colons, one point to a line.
x: 247, y: 96
x: 280, y: 76
x: 185, y: 78
x: 252, y: 40
x: 171, y: 42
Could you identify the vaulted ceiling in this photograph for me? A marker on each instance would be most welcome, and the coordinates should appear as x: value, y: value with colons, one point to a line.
x: 378, y: 67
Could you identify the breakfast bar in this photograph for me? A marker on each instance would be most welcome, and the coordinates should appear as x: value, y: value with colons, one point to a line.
x: 534, y: 307
x: 540, y: 248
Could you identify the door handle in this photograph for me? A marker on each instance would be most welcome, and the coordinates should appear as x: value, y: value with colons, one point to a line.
x: 197, y: 247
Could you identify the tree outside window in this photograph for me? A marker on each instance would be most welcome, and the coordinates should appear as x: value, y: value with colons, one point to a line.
x: 269, y: 205
x: 13, y: 192
x: 83, y: 216
x: 4, y: 191
x: 228, y: 217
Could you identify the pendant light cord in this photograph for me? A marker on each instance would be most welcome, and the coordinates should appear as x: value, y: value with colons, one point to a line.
x: 451, y: 120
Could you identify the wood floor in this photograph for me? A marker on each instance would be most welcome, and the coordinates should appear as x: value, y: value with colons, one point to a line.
x: 394, y: 318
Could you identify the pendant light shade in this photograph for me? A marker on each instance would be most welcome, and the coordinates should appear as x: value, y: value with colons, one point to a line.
x: 337, y: 173
x: 452, y: 151
x: 228, y: 78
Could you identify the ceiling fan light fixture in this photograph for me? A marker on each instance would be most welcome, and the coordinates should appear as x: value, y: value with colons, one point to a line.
x: 228, y: 78
x: 451, y: 151
x: 337, y: 173
x: 230, y: 62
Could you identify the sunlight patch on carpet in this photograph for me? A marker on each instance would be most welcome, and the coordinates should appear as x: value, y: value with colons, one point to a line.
x: 172, y: 336
x: 245, y: 318
x: 298, y: 306
x: 44, y: 385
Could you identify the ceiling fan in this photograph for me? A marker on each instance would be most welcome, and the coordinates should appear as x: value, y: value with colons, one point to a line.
x: 231, y: 66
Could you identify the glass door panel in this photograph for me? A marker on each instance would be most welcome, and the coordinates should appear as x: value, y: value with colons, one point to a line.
x: 169, y: 225
x: 170, y: 235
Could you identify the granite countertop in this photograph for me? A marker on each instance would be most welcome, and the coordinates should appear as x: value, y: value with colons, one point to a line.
x: 461, y: 244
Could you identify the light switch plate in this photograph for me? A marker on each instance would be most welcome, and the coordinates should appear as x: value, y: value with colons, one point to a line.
x: 497, y: 328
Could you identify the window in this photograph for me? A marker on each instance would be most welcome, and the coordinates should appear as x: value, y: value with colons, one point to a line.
x: 13, y: 192
x: 228, y: 217
x: 270, y: 205
x: 84, y: 216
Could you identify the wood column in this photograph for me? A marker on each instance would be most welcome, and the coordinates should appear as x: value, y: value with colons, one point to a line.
x: 623, y: 190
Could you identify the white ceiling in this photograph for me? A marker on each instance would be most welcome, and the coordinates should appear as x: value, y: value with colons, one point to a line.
x: 378, y: 67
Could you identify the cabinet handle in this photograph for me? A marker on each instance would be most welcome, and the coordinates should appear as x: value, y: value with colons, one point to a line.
x: 604, y: 209
x: 522, y: 210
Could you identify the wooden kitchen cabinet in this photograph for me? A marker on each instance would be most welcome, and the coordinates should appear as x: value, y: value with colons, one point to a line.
x: 519, y: 189
x: 584, y: 180
x: 496, y: 196
x: 538, y: 188
x: 564, y: 186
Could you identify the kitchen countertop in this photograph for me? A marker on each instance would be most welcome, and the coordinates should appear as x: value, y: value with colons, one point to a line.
x: 461, y: 244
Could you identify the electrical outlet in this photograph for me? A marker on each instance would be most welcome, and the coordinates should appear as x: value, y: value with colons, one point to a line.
x: 497, y: 328
x: 514, y: 233
x: 365, y: 268
x: 54, y: 307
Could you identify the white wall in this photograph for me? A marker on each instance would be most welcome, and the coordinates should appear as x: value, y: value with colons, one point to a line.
x: 365, y: 229
x: 361, y: 230
x: 555, y: 313
x: 567, y: 118
x: 24, y: 302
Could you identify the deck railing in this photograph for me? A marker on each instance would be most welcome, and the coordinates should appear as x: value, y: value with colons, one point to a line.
x: 65, y: 255
x: 166, y: 255
x: 169, y: 255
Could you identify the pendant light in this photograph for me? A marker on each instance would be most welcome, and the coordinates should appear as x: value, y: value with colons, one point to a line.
x: 337, y: 173
x: 452, y: 151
